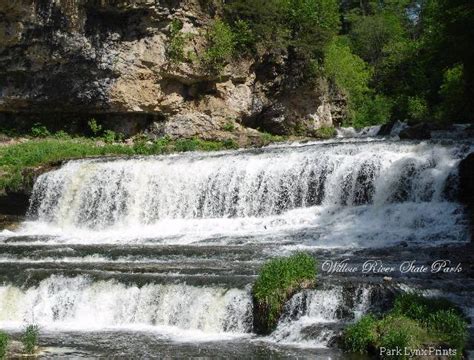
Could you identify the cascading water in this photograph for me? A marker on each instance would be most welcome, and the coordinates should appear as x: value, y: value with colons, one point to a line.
x: 171, y: 244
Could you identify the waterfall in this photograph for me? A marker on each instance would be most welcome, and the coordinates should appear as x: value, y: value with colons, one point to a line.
x: 101, y: 193
x: 80, y: 303
x: 351, y: 188
x: 170, y: 245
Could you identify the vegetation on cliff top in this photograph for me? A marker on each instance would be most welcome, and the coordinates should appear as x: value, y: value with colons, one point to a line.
x: 277, y: 281
x: 394, y: 59
x: 415, y: 322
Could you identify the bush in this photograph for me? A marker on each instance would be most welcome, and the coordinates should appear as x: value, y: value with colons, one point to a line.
x: 3, y: 345
x: 175, y: 48
x: 325, y: 132
x: 94, y: 127
x: 39, y: 131
x: 360, y: 336
x: 220, y: 46
x: 417, y: 108
x: 30, y: 338
x: 277, y: 281
x: 229, y: 126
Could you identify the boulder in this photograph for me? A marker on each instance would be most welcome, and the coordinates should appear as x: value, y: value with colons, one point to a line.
x: 416, y: 132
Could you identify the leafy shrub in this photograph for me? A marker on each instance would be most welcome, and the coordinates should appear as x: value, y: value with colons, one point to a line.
x: 371, y: 110
x: 61, y: 135
x: 279, y: 279
x: 3, y: 345
x: 417, y: 108
x: 229, y: 126
x: 268, y: 138
x: 39, y: 131
x: 453, y: 103
x: 220, y: 46
x: 94, y: 127
x: 325, y: 132
x: 230, y: 144
x: 175, y: 48
x: 359, y: 337
x: 110, y: 136
x: 30, y: 338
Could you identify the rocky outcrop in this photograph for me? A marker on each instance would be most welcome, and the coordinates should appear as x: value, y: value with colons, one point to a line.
x: 416, y: 132
x: 110, y: 60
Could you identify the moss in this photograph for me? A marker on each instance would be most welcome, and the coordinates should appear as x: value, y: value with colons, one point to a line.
x: 277, y: 281
x: 414, y: 322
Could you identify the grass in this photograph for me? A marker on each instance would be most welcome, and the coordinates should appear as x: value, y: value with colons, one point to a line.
x: 16, y: 159
x: 325, y: 132
x: 414, y: 322
x: 3, y: 345
x: 277, y: 281
x: 30, y: 338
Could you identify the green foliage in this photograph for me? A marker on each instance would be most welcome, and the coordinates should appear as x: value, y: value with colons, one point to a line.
x: 30, y: 338
x: 244, y: 38
x: 39, y: 131
x: 414, y: 322
x: 452, y: 94
x: 229, y: 126
x: 348, y: 71
x: 110, y: 136
x: 268, y: 138
x: 300, y: 28
x: 3, y: 345
x: 371, y: 110
x: 94, y: 127
x: 402, y: 332
x: 61, y: 135
x: 175, y: 48
x: 325, y: 132
x: 278, y: 279
x: 360, y: 336
x: 220, y: 46
x: 417, y: 108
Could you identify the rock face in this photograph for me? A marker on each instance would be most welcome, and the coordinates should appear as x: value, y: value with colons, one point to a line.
x: 110, y: 60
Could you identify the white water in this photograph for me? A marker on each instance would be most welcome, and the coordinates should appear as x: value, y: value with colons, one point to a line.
x: 79, y: 303
x: 345, y: 195
x: 330, y: 195
x: 316, y: 308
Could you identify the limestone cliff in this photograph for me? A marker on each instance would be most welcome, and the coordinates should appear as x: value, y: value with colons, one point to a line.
x: 65, y: 61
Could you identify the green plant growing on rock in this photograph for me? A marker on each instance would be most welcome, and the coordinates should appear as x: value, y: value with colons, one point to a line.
x: 176, y: 42
x: 220, y: 47
x: 278, y: 280
x: 359, y: 336
x: 325, y: 132
x: 30, y: 338
x: 415, y: 322
x: 3, y: 345
x: 229, y: 126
